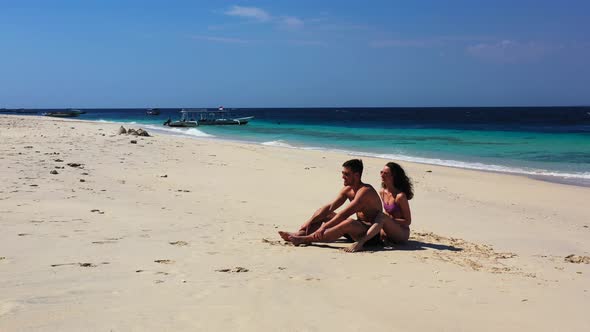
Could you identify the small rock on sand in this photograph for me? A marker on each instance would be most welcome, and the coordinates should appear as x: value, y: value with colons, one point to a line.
x: 54, y: 172
x: 141, y: 132
x: 577, y: 259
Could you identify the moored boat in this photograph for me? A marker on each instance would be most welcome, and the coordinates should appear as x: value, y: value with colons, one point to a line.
x: 63, y: 113
x: 204, y: 117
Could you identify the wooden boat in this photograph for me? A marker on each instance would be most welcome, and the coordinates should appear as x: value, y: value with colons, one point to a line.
x: 63, y: 113
x: 204, y: 117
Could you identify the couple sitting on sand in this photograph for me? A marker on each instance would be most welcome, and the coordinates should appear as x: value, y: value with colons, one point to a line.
x: 383, y: 216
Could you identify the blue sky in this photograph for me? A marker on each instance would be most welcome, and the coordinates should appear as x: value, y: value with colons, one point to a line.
x: 293, y: 53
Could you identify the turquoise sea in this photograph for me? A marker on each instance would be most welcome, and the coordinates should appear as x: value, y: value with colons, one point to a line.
x: 549, y: 143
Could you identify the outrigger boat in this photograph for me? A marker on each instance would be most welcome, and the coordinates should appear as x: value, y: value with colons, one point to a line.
x: 64, y: 113
x: 194, y: 118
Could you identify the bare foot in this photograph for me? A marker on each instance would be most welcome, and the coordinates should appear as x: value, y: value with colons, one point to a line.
x: 286, y: 235
x: 296, y: 240
x: 355, y: 247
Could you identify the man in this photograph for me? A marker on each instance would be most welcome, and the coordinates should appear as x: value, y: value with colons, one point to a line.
x: 325, y: 225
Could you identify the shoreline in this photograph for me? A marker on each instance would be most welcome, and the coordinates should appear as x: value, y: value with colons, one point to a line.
x: 558, y: 179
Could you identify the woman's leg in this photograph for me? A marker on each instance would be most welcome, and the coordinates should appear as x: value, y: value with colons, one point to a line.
x: 394, y: 232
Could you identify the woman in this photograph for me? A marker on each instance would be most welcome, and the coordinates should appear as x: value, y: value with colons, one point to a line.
x: 397, y: 191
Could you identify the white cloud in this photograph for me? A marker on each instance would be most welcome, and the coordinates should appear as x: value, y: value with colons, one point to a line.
x: 508, y: 51
x: 222, y: 39
x: 260, y: 15
x: 249, y: 12
x: 400, y: 43
x: 436, y: 41
x: 292, y: 23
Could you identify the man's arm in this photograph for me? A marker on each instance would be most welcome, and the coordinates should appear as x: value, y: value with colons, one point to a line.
x: 354, y: 207
x: 325, y: 210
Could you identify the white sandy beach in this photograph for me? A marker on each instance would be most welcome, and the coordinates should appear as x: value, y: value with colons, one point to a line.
x: 180, y: 234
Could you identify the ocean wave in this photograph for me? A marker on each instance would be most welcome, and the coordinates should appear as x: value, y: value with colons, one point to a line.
x: 445, y: 162
x: 180, y: 131
x: 279, y: 143
x: 118, y: 122
x: 476, y: 166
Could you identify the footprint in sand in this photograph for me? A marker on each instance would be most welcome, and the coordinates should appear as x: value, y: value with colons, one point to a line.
x: 179, y: 243
x: 79, y: 264
x: 104, y: 242
x: 7, y: 307
x: 164, y: 261
x: 237, y: 269
x: 276, y: 242
x: 304, y: 278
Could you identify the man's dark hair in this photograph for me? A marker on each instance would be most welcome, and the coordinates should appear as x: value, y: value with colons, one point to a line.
x: 355, y: 165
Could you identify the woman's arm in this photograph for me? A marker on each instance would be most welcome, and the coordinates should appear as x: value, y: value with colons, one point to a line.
x: 402, y: 201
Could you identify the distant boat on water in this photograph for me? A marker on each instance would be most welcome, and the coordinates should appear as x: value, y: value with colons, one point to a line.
x: 204, y: 117
x: 152, y: 111
x: 71, y: 113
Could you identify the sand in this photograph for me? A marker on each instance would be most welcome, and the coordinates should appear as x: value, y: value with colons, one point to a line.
x: 180, y: 234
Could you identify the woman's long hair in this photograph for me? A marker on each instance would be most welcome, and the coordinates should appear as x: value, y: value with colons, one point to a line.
x: 400, y: 180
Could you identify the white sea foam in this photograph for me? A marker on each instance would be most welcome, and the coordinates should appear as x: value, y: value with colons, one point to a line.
x: 476, y: 166
x: 445, y: 162
x: 279, y: 143
x: 118, y: 122
x: 180, y: 131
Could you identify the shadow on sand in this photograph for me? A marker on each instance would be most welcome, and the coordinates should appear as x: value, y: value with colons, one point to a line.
x: 411, y: 245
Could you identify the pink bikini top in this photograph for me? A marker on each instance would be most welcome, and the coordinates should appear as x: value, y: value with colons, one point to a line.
x: 389, y: 208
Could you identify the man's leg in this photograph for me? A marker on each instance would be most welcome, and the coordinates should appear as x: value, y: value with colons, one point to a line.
x: 309, y: 226
x: 355, y: 228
